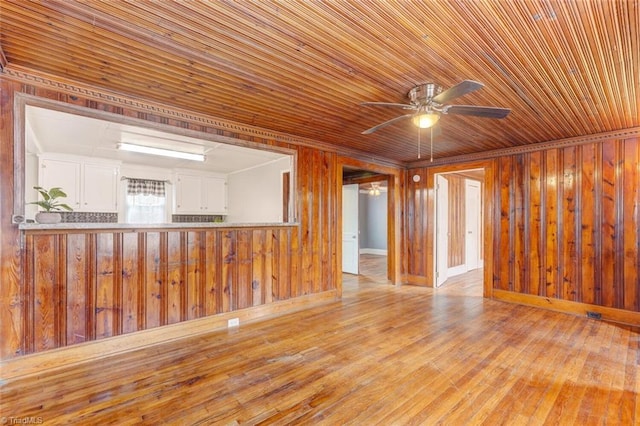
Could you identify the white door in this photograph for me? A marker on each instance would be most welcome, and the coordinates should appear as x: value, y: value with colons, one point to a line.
x: 472, y: 219
x: 442, y: 229
x: 350, y: 244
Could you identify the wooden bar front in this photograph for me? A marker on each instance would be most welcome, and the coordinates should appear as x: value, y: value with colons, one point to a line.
x: 88, y: 285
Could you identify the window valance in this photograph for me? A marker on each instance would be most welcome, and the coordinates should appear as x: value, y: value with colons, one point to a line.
x: 145, y: 187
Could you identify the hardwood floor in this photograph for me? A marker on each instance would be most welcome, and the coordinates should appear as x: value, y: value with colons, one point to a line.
x: 388, y: 355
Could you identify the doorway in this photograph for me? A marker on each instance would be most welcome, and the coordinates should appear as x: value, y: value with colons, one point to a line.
x: 350, y: 229
x: 458, y: 217
x: 364, y: 223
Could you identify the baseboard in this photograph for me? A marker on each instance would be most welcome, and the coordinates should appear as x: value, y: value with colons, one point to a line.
x: 457, y: 270
x: 82, y: 352
x: 380, y: 252
x: 416, y: 280
x: 576, y: 308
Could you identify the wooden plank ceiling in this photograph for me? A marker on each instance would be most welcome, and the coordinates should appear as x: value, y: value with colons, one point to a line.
x: 565, y: 68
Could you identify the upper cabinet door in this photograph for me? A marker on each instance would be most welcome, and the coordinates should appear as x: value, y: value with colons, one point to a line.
x: 90, y: 187
x: 62, y: 174
x: 215, y: 194
x: 99, y: 188
x: 200, y: 194
x: 188, y: 194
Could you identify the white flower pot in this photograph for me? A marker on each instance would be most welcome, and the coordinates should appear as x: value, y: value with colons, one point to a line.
x: 48, y: 217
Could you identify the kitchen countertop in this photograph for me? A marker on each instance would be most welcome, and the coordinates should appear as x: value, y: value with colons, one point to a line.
x: 134, y: 226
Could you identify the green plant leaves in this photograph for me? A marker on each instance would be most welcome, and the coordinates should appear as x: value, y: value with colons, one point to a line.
x: 49, y: 202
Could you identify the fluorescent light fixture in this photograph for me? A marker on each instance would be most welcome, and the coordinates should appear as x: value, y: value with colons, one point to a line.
x: 159, y: 151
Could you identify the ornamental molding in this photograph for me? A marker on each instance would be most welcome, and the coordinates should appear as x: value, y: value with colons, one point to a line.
x: 74, y: 88
x: 502, y: 152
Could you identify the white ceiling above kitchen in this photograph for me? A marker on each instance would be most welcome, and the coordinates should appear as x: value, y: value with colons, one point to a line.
x: 51, y: 131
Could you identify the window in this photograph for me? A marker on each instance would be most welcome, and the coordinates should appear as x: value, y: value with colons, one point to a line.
x: 146, y: 201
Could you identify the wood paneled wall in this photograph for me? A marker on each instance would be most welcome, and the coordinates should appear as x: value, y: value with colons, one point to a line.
x: 562, y: 226
x: 62, y: 288
x: 418, y: 227
x: 82, y: 286
x: 457, y: 221
x: 567, y: 224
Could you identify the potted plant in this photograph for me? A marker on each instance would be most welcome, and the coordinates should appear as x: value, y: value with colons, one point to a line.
x: 50, y: 204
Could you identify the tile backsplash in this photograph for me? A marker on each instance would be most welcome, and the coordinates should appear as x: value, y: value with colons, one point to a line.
x: 92, y: 217
x: 191, y: 218
x: 88, y: 217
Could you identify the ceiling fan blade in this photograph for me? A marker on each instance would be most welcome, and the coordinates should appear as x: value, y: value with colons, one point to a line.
x: 386, y: 123
x: 462, y: 88
x: 478, y: 111
x: 389, y: 104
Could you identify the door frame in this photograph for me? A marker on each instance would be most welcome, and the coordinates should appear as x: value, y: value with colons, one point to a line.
x: 441, y: 244
x: 346, y: 251
x: 487, y: 222
x: 395, y: 176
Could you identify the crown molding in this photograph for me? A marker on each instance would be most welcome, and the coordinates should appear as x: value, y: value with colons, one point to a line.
x: 3, y: 60
x: 502, y: 152
x: 40, y: 79
x: 28, y: 76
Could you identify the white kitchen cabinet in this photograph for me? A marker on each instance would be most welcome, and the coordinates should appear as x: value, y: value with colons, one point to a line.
x: 188, y: 194
x: 99, y: 186
x: 200, y: 194
x: 90, y: 186
x: 64, y: 174
x: 215, y: 195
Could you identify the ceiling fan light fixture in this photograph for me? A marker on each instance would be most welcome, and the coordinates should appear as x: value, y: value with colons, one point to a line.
x: 426, y: 119
x: 374, y: 191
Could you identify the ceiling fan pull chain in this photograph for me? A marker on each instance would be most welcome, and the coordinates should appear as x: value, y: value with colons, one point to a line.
x: 418, y: 143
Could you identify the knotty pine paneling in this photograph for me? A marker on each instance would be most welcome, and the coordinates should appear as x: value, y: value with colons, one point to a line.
x: 630, y: 223
x: 80, y: 293
x: 303, y: 67
x: 416, y: 244
x: 534, y: 206
x: 549, y: 217
x: 419, y: 224
x: 563, y: 228
x: 132, y: 294
x: 457, y: 224
x: 502, y: 239
x: 568, y: 220
x: 65, y: 288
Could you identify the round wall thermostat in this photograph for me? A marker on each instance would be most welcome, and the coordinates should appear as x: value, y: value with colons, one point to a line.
x: 416, y: 178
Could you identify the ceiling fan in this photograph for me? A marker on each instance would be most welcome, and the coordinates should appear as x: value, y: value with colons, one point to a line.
x: 427, y: 101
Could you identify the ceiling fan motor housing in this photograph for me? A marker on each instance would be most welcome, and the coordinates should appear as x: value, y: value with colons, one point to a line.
x: 424, y: 93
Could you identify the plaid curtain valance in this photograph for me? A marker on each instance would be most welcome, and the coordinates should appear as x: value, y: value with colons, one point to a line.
x: 145, y: 187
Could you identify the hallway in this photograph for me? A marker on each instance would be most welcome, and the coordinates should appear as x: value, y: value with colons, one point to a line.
x: 373, y: 271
